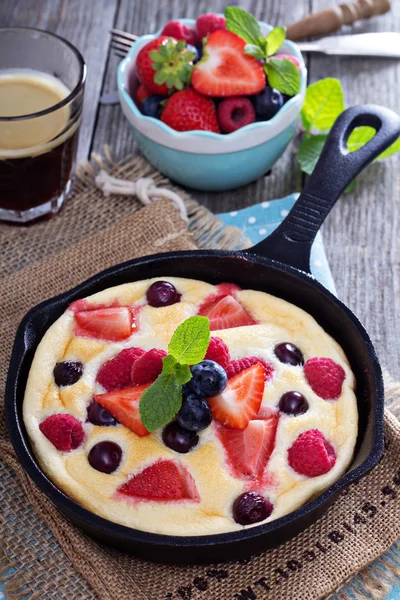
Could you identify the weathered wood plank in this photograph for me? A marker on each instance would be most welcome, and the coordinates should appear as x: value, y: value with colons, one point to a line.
x: 143, y: 17
x: 362, y: 232
x: 85, y: 24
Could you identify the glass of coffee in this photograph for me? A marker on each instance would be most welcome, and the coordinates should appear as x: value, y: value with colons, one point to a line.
x: 42, y: 79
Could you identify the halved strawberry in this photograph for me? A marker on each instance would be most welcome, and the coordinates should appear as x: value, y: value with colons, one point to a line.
x: 163, y: 480
x: 226, y: 313
x: 114, y: 323
x: 241, y: 399
x: 225, y: 70
x: 249, y: 449
x: 124, y: 406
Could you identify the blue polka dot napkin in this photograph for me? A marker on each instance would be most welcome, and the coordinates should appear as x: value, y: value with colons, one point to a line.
x: 259, y: 220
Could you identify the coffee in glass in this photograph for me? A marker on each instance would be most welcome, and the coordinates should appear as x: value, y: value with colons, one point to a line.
x: 42, y: 81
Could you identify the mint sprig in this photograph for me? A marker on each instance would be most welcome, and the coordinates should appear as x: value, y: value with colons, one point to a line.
x: 161, y: 401
x: 324, y: 102
x: 242, y: 23
x: 282, y: 74
x: 275, y: 39
x: 309, y: 151
x: 190, y: 341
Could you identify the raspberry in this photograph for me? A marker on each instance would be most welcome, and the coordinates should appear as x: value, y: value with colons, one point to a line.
x: 234, y: 113
x: 325, y: 377
x: 311, y: 454
x: 236, y: 366
x: 180, y: 31
x: 208, y: 23
x: 63, y: 431
x: 115, y: 374
x: 141, y: 94
x: 218, y: 351
x: 148, y: 367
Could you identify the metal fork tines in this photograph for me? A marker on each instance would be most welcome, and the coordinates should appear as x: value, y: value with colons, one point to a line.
x: 121, y: 42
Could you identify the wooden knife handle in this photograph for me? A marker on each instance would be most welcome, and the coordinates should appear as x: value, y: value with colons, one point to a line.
x: 331, y: 19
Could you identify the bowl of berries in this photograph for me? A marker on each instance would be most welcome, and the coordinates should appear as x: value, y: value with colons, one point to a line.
x: 213, y: 103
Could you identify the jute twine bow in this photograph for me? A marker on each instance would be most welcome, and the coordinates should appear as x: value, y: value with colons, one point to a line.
x: 143, y: 188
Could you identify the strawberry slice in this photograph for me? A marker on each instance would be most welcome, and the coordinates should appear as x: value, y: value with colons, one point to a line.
x: 124, y: 406
x: 241, y: 399
x: 249, y: 449
x: 225, y: 70
x: 163, y: 480
x: 226, y: 313
x: 223, y: 289
x: 114, y: 323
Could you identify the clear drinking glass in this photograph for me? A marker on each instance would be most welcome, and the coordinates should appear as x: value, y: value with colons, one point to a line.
x: 35, y: 176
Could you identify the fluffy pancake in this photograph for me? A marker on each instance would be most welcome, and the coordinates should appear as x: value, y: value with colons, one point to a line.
x: 217, y: 486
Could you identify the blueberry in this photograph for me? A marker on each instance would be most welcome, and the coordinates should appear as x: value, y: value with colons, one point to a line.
x: 100, y: 416
x: 267, y: 103
x: 251, y: 508
x: 289, y: 354
x: 162, y: 293
x: 195, y: 414
x: 293, y: 403
x: 151, y: 106
x: 67, y: 372
x: 197, y: 50
x: 208, y: 379
x: 179, y: 439
x: 105, y: 457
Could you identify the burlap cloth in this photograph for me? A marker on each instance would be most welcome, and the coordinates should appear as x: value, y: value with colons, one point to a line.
x: 51, y: 558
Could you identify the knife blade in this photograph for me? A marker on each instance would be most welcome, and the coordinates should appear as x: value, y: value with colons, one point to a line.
x: 382, y: 44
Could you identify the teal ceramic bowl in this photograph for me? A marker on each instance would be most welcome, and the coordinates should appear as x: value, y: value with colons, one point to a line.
x: 204, y: 160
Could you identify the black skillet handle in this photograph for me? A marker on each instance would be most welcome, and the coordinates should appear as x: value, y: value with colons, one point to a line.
x: 291, y: 242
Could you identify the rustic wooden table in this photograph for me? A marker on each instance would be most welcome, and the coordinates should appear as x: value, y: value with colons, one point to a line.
x: 361, y: 234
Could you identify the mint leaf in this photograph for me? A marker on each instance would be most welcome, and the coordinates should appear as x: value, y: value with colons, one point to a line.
x: 395, y: 147
x: 190, y: 341
x: 323, y: 104
x: 275, y: 39
x: 160, y: 402
x: 283, y: 75
x: 309, y: 150
x: 243, y: 24
x: 182, y: 373
x: 169, y: 363
x: 253, y: 50
x: 361, y: 135
x: 350, y: 187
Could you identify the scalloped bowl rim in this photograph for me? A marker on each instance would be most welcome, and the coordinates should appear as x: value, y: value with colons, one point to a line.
x: 280, y: 115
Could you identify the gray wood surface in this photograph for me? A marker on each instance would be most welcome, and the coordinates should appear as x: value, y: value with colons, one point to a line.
x: 361, y: 234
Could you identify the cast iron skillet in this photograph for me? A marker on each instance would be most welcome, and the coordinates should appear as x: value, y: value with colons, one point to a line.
x: 278, y: 265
